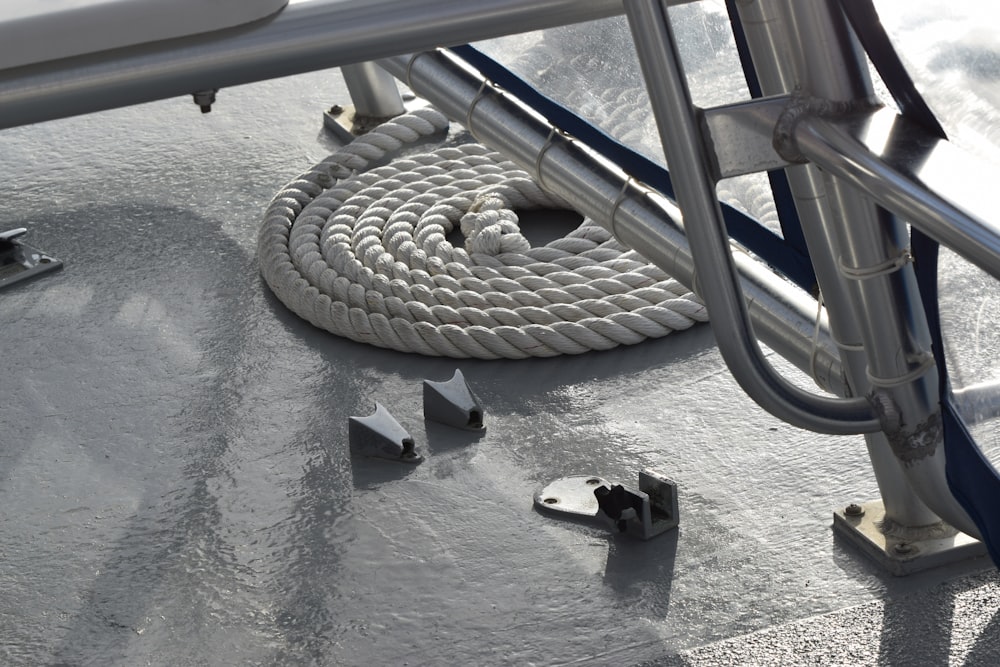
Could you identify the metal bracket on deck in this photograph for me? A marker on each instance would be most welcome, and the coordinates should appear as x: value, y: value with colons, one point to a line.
x: 381, y: 436
x: 899, y: 549
x: 375, y: 99
x: 19, y: 261
x: 347, y: 123
x: 645, y: 513
x: 453, y: 403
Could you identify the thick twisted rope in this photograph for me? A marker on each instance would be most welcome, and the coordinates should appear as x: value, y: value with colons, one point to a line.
x: 364, y: 255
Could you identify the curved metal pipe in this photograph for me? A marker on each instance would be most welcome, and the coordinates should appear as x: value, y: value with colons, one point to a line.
x: 919, y: 446
x: 777, y: 63
x: 824, y: 61
x: 717, y: 282
x: 783, y: 315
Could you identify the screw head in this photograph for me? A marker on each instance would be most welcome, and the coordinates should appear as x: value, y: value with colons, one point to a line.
x: 854, y: 510
x: 903, y: 548
x: 336, y: 109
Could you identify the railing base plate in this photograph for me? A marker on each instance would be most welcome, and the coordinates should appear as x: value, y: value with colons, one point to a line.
x: 864, y: 527
x: 347, y: 125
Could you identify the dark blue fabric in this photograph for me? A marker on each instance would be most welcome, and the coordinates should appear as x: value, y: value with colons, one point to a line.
x: 972, y: 479
x: 770, y: 247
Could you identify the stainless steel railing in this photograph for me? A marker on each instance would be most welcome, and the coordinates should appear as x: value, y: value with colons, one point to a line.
x: 858, y: 156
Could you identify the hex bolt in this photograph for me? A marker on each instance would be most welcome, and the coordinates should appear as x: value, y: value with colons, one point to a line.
x: 205, y: 99
x: 903, y: 548
x: 854, y: 510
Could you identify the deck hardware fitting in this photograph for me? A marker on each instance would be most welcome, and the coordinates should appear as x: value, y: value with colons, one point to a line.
x: 205, y: 99
x: 903, y: 550
x: 453, y: 403
x: 19, y: 261
x: 379, y: 435
x: 346, y: 123
x: 854, y: 510
x: 375, y: 99
x: 644, y: 514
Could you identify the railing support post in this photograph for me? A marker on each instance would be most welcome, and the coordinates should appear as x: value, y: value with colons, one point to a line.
x: 373, y: 91
x: 767, y: 32
x: 716, y: 280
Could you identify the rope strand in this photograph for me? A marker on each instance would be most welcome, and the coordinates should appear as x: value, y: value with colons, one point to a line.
x: 363, y: 253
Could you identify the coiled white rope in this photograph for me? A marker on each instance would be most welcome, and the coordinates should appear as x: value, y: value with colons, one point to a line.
x: 363, y: 254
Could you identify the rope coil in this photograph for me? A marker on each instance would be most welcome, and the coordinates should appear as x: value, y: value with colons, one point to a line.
x: 363, y: 254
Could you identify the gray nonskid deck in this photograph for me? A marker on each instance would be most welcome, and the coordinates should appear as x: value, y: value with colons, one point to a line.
x: 954, y: 623
x: 176, y: 489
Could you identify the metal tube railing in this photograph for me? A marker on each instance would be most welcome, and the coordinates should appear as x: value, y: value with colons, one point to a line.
x: 946, y: 192
x: 303, y: 37
x: 821, y: 60
x: 783, y: 316
x: 695, y: 192
x: 900, y: 366
x: 778, y: 66
x: 873, y: 245
x: 373, y: 91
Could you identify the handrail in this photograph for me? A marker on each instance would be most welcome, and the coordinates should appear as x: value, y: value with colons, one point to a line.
x: 769, y: 28
x: 829, y: 76
x: 719, y: 287
x: 783, y: 316
x: 944, y: 191
x: 303, y: 37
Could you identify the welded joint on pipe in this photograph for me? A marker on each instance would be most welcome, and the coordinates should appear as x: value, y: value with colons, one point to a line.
x: 802, y: 105
x: 709, y: 150
x: 908, y: 445
x: 933, y: 531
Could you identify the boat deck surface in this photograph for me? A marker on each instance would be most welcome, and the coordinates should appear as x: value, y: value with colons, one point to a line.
x: 176, y: 486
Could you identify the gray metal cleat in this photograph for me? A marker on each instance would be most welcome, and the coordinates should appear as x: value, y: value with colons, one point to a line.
x: 381, y: 436
x: 645, y: 513
x: 453, y: 403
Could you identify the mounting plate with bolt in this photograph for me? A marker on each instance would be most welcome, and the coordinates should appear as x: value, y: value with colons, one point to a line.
x: 347, y: 124
x: 900, y: 550
x: 645, y: 513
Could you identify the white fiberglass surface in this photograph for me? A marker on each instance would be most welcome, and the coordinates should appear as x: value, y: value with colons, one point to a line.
x: 176, y: 485
x: 34, y: 31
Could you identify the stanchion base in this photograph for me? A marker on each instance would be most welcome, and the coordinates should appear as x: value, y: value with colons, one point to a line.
x: 903, y: 551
